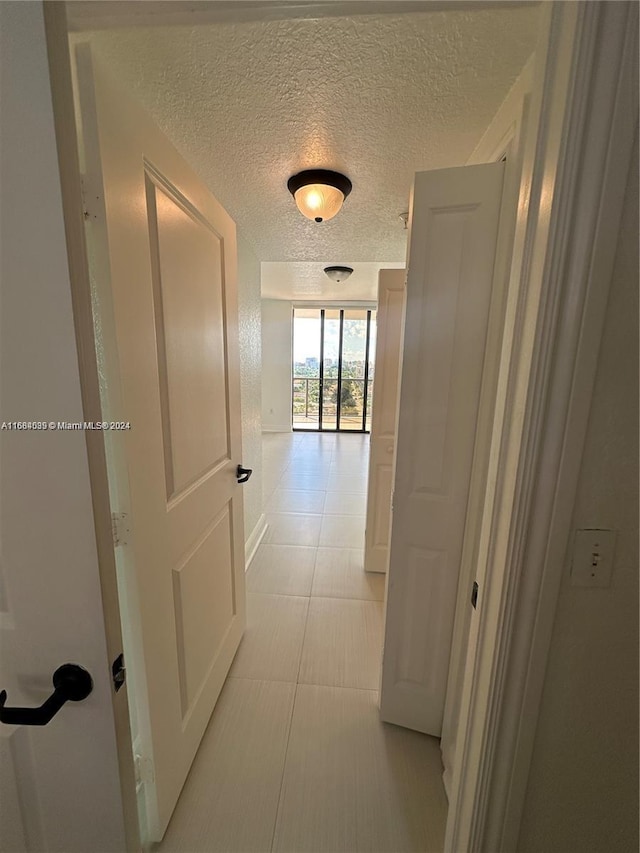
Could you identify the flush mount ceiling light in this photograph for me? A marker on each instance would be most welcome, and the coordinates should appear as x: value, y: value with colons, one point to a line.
x: 319, y: 193
x: 338, y: 274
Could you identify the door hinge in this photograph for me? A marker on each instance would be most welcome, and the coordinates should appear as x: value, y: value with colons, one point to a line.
x: 144, y: 771
x: 118, y: 672
x: 83, y: 192
x: 120, y: 527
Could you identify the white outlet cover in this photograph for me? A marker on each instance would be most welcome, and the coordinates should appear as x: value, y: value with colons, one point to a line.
x: 593, y: 552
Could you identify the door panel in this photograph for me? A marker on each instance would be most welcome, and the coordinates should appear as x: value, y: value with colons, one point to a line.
x: 170, y: 249
x: 382, y: 486
x: 454, y: 227
x: 204, y: 607
x: 391, y: 290
x: 190, y: 331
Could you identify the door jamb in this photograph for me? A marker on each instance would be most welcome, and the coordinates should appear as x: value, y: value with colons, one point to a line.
x: 587, y: 126
x: 505, y: 139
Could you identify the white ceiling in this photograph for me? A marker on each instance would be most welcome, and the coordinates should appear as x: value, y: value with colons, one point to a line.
x: 306, y: 280
x: 85, y: 15
x: 376, y: 96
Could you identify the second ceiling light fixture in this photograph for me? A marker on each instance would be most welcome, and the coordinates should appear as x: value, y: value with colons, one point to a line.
x: 319, y: 193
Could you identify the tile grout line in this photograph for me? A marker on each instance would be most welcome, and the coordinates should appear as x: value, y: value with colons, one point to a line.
x: 335, y: 686
x: 293, y: 708
x: 284, y: 767
x: 313, y: 577
x: 261, y: 680
x: 297, y: 683
x: 324, y: 597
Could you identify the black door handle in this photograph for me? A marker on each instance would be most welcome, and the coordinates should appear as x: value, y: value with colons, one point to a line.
x: 71, y: 683
x: 243, y: 474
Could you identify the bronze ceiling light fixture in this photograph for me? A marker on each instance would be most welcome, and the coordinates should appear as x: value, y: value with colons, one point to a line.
x: 337, y: 273
x: 319, y: 193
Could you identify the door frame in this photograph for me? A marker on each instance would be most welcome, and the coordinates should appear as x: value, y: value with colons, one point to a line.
x: 544, y: 395
x: 505, y: 139
x: 588, y: 118
x: 56, y: 29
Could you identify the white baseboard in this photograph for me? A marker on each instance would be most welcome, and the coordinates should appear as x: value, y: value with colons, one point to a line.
x: 286, y: 428
x: 255, y: 538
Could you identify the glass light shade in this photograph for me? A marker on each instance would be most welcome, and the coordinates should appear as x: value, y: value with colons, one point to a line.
x: 318, y: 202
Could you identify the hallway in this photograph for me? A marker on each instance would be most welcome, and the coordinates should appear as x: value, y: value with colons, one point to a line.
x: 295, y: 757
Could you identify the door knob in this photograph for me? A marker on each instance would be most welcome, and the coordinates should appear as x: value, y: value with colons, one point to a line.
x: 71, y: 682
x: 243, y: 474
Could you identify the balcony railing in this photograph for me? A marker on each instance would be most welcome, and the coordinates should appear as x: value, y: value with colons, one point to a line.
x: 306, y: 403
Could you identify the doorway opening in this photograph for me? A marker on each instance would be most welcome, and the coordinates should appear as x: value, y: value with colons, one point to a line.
x: 333, y: 369
x: 307, y: 590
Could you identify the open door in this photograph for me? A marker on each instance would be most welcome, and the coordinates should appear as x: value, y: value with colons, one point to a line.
x: 452, y: 245
x: 165, y: 279
x: 391, y: 287
x: 60, y: 783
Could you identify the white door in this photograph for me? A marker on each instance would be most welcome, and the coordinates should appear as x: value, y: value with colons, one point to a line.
x: 59, y: 783
x: 383, y: 418
x: 452, y: 246
x: 170, y: 249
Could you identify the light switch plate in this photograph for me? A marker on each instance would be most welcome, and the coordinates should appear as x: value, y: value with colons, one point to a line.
x: 593, y: 552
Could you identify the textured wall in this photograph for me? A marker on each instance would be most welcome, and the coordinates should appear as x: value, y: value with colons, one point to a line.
x: 250, y: 379
x: 276, y: 365
x: 582, y: 795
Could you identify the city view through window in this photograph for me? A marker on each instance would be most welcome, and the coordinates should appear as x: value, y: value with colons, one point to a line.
x: 333, y: 368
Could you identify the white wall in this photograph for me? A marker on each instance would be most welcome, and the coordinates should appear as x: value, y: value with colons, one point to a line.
x: 276, y: 365
x: 249, y: 321
x: 582, y: 794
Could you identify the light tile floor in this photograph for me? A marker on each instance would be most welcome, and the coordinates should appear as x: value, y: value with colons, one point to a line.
x: 295, y: 758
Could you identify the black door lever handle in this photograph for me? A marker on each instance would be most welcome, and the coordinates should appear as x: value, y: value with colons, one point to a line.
x: 243, y: 474
x: 71, y: 682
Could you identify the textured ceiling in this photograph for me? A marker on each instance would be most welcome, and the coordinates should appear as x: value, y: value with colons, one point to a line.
x: 85, y: 15
x: 306, y: 281
x: 378, y: 97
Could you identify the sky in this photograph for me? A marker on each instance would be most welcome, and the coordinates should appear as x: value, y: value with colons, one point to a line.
x: 306, y: 339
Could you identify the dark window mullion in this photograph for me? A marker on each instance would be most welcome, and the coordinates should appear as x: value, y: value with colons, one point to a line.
x: 366, y: 374
x: 293, y: 367
x: 339, y: 392
x: 321, y: 374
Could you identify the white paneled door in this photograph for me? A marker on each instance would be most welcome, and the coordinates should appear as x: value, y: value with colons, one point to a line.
x: 391, y: 288
x: 171, y: 253
x: 60, y: 788
x: 452, y: 246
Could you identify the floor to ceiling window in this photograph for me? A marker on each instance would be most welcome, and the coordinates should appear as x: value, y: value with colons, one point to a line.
x: 333, y: 368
